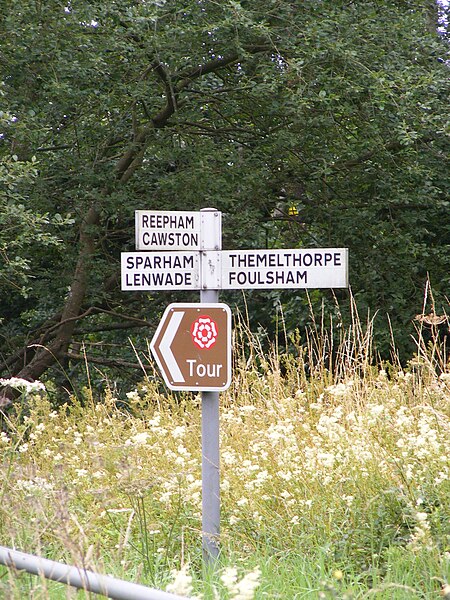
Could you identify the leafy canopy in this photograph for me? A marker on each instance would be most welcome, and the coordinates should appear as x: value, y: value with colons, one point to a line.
x: 336, y: 108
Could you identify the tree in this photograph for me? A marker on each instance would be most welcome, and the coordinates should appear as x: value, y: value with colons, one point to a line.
x: 340, y: 106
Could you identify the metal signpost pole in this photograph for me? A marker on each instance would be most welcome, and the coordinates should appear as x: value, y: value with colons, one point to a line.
x: 210, y: 449
x: 192, y: 258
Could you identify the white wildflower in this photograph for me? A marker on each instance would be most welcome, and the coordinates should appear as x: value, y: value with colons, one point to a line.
x: 138, y: 440
x: 182, y: 582
x: 445, y: 378
x: 133, y: 395
x: 229, y: 577
x: 155, y: 421
x: 228, y: 458
x: 243, y: 589
x: 81, y: 472
x: 376, y: 410
x: 340, y: 389
x: 178, y: 432
x: 36, y: 485
x: 326, y: 459
x: 421, y: 536
x: 421, y: 517
x: 28, y: 387
x: 4, y: 439
x: 247, y: 409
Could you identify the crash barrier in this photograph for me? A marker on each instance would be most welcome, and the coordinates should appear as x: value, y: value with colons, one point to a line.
x: 80, y: 578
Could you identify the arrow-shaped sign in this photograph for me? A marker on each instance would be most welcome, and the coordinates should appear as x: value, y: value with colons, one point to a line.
x: 164, y: 346
x: 192, y: 346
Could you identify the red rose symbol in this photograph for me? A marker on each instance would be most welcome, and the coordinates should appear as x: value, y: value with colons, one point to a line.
x: 204, y: 332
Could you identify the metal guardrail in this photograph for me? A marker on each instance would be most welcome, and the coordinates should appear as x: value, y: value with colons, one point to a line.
x: 80, y: 578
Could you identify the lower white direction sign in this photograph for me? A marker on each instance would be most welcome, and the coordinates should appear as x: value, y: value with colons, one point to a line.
x: 237, y: 269
x: 160, y: 271
x: 305, y: 268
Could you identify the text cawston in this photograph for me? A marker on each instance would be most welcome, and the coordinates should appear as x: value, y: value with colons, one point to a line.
x: 169, y: 239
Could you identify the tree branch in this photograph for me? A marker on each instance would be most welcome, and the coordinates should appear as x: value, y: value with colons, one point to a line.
x: 392, y: 146
x: 132, y: 158
x: 107, y: 362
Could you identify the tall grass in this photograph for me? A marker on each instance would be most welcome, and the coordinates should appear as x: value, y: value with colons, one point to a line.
x: 334, y: 477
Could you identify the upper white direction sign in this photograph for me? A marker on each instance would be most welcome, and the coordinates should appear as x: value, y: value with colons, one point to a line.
x: 177, y: 230
x: 141, y: 271
x: 305, y: 268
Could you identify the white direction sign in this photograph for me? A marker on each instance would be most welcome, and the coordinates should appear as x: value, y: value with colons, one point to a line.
x: 237, y: 269
x: 305, y: 268
x: 177, y: 230
x: 141, y: 271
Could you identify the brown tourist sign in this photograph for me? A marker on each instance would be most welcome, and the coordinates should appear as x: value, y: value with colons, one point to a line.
x: 192, y: 346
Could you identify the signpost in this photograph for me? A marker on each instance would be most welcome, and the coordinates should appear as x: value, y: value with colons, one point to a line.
x: 192, y: 344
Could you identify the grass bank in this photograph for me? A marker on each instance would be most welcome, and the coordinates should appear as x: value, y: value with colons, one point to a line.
x: 334, y: 480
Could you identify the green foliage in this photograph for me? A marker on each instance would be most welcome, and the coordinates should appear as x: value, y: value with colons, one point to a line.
x: 338, y: 109
x: 25, y: 234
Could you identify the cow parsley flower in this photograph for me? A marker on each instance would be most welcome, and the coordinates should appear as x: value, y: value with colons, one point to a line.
x: 243, y: 589
x: 182, y: 582
x: 24, y: 386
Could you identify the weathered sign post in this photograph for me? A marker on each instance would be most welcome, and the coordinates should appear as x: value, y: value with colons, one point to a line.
x: 182, y: 250
x: 210, y: 422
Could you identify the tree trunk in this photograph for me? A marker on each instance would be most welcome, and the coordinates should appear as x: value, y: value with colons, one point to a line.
x: 45, y: 356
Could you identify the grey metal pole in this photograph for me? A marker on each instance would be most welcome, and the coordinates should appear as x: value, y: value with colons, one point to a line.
x: 210, y: 448
x: 80, y: 578
x: 210, y: 464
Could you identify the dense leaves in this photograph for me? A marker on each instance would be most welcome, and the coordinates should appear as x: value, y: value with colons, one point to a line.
x: 336, y: 108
